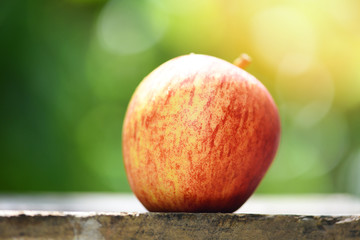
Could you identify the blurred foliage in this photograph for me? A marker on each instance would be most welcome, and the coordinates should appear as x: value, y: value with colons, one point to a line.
x: 68, y: 69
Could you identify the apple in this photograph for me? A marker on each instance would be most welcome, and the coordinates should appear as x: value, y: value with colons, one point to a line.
x: 198, y: 135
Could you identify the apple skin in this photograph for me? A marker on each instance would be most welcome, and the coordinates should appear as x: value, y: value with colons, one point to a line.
x: 198, y: 136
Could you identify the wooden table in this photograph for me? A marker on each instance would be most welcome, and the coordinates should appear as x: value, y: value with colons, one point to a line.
x: 121, y: 216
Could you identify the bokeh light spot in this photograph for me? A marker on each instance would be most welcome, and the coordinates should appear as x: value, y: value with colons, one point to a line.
x: 312, y: 91
x: 346, y: 13
x: 127, y: 27
x: 280, y: 31
x: 312, y: 151
x: 181, y: 7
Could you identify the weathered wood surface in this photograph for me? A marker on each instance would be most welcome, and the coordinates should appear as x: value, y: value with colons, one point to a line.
x: 78, y: 225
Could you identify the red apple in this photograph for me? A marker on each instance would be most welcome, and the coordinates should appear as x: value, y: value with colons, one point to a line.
x: 198, y: 136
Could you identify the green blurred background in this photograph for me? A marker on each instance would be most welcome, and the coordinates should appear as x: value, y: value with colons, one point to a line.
x: 69, y: 67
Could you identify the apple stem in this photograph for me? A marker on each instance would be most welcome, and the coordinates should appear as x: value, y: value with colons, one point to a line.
x: 242, y: 61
